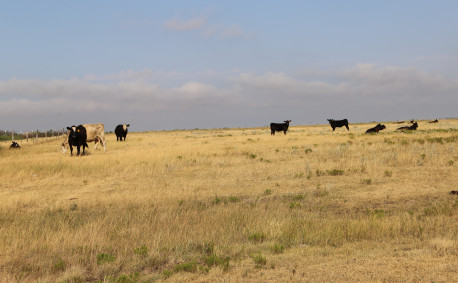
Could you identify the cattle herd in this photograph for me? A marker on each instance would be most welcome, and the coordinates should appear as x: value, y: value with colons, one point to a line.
x: 79, y: 136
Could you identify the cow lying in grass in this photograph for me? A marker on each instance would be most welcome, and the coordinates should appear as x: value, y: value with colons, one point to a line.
x: 408, y: 128
x: 338, y: 123
x: 279, y: 127
x: 376, y: 129
x: 14, y: 145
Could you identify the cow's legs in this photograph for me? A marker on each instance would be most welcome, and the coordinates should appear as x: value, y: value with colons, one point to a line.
x: 71, y: 150
x: 347, y: 127
x: 78, y: 150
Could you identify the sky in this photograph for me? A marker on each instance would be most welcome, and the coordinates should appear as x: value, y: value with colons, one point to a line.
x: 162, y: 65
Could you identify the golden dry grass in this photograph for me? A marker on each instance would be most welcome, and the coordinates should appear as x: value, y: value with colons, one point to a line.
x: 235, y: 205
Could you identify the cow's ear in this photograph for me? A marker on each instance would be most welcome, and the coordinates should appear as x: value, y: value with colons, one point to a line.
x: 68, y: 128
x: 127, y: 125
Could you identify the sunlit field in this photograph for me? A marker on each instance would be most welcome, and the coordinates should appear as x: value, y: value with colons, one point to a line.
x: 235, y: 205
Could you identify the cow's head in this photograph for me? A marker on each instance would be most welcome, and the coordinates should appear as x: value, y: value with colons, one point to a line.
x: 287, y: 121
x: 73, y: 132
x: 380, y: 127
x: 124, y: 127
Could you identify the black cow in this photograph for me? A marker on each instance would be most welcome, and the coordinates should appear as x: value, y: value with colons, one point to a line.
x: 121, y: 131
x: 338, y: 123
x: 409, y: 128
x: 454, y: 192
x: 77, y: 136
x: 376, y: 129
x: 279, y: 127
x: 435, y: 121
x: 14, y: 145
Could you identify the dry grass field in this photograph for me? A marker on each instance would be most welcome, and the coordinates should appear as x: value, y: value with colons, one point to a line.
x: 235, y: 205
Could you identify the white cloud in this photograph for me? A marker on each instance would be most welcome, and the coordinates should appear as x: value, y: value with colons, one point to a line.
x: 233, y: 31
x: 185, y: 25
x: 363, y: 90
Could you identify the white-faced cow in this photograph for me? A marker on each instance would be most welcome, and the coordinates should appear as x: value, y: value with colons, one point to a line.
x: 279, y: 127
x: 121, y: 131
x: 376, y: 129
x: 95, y: 133
x: 338, y: 123
x: 77, y: 137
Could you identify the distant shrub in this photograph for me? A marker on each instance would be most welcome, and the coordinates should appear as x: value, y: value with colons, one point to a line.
x: 308, y: 150
x: 257, y: 237
x: 268, y: 192
x: 141, y: 251
x: 294, y: 205
x: 319, y: 172
x: 451, y: 162
x: 73, y: 206
x: 233, y: 199
x: 259, y: 260
x: 59, y: 266
x: 278, y: 248
x: 186, y: 267
x: 388, y: 173
x: 214, y: 260
x: 366, y: 181
x: 216, y: 200
x: 335, y: 172
x: 105, y: 258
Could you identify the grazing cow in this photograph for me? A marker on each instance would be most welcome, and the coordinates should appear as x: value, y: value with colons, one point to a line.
x: 408, y: 128
x: 121, y: 131
x: 14, y: 145
x: 435, y: 121
x: 338, y: 123
x: 279, y: 127
x: 376, y: 129
x: 95, y: 133
x: 77, y: 137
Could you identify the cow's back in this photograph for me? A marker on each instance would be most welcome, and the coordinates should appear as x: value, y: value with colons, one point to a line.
x: 95, y: 130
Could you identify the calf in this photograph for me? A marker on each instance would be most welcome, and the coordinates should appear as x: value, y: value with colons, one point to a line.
x: 77, y: 137
x: 14, y: 145
x: 338, y: 123
x: 279, y: 127
x: 121, y: 131
x: 376, y: 129
x: 409, y: 128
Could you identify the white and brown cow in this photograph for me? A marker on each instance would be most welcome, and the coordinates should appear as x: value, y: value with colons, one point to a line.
x: 95, y: 133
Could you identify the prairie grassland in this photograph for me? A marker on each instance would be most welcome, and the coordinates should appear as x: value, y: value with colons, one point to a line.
x: 231, y: 205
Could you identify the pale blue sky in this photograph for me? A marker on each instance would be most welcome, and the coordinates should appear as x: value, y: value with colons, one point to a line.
x: 200, y: 64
